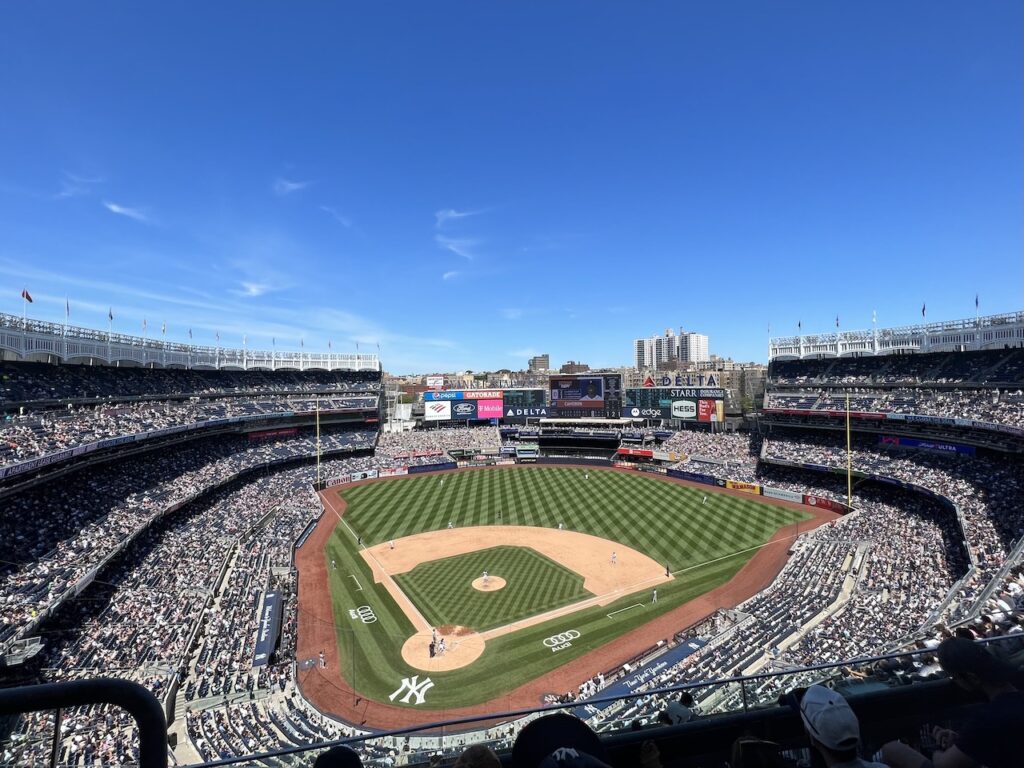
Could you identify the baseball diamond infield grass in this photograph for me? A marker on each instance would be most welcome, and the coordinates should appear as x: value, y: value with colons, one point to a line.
x: 704, y: 545
x: 443, y: 591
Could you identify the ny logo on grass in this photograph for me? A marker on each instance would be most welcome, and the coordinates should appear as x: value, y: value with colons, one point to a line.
x: 415, y: 687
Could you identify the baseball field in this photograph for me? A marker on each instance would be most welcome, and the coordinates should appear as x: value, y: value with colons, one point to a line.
x: 574, y: 559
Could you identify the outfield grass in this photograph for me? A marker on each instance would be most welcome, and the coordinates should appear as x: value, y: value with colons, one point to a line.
x: 705, y: 545
x: 443, y: 591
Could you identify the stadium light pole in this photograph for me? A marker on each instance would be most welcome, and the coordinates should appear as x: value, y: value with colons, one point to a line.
x: 849, y: 457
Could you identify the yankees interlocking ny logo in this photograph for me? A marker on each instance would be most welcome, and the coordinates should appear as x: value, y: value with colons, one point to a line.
x: 416, y: 688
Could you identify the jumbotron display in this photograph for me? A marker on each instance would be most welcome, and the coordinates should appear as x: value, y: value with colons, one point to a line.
x: 586, y: 396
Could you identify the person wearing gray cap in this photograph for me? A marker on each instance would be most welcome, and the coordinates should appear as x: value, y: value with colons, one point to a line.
x: 833, y: 728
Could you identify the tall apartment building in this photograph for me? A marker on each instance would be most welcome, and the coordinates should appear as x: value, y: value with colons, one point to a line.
x: 658, y: 351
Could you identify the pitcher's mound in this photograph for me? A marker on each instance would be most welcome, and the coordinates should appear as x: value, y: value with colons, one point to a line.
x: 493, y: 583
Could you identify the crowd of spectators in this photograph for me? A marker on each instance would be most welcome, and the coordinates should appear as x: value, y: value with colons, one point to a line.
x: 26, y: 437
x: 33, y: 384
x: 987, y: 405
x: 985, y: 490
x: 57, y: 533
x: 988, y: 367
x: 432, y: 446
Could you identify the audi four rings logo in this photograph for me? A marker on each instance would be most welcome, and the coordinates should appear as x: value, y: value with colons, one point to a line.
x: 562, y: 640
x: 364, y: 613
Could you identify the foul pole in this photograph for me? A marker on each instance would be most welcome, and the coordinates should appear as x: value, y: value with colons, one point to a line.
x: 849, y: 458
x: 318, y: 442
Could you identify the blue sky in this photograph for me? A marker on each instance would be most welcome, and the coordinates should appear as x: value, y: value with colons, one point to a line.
x: 471, y: 183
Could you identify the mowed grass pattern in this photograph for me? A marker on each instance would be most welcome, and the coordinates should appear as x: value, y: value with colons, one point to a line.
x: 705, y: 545
x: 443, y: 591
x: 667, y: 521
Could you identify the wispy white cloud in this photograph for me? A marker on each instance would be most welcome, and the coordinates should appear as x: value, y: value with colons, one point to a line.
x: 460, y: 246
x: 511, y: 313
x: 449, y: 214
x: 250, y: 289
x: 73, y: 185
x: 339, y: 217
x: 528, y: 352
x: 283, y: 186
x: 123, y: 210
x: 450, y: 274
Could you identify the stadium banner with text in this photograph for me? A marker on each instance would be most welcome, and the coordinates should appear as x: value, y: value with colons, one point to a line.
x: 435, y: 382
x: 437, y: 411
x: 693, y: 477
x: 269, y: 628
x: 522, y: 414
x: 393, y: 472
x: 273, y: 434
x: 782, y: 494
x: 339, y: 480
x: 464, y: 394
x: 490, y: 409
x: 736, y: 485
x: 422, y: 468
x: 705, y: 404
x: 370, y: 474
x: 639, y: 678
x: 823, y: 503
x: 892, y: 441
x: 461, y: 410
x: 636, y: 452
x: 572, y: 392
x: 669, y: 456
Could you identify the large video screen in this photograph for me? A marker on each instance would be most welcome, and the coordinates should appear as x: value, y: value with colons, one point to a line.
x: 585, y: 396
x: 569, y: 392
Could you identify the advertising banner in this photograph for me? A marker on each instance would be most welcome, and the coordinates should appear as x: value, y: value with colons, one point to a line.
x: 693, y: 477
x: 340, y: 480
x: 461, y: 410
x: 422, y: 468
x: 393, y: 472
x: 269, y: 628
x: 489, y: 409
x: 669, y: 456
x: 784, y: 495
x: 435, y: 382
x: 736, y: 485
x: 463, y: 394
x: 525, y: 413
x: 891, y: 441
x: 636, y: 452
x: 371, y: 474
x: 684, y: 409
x: 437, y: 411
x: 710, y: 410
x: 823, y: 503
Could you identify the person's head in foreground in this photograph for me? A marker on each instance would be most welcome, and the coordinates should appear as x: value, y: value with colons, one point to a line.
x: 338, y: 757
x: 558, y: 741
x: 832, y: 726
x: 478, y: 756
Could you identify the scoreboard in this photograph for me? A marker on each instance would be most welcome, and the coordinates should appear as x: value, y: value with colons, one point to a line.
x: 522, y: 404
x: 702, y: 404
x: 588, y: 395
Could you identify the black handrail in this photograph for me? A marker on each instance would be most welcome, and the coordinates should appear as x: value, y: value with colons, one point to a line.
x: 132, y: 697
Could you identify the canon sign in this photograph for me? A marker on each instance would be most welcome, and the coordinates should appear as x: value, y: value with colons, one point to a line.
x: 684, y: 409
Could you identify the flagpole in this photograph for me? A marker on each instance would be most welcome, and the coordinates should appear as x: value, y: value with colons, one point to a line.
x: 849, y: 457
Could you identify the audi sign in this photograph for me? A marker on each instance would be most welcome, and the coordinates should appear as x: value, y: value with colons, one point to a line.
x: 561, y: 641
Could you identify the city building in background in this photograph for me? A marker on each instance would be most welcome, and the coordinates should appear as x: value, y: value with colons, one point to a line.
x: 540, y: 363
x: 665, y: 351
x: 573, y: 367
